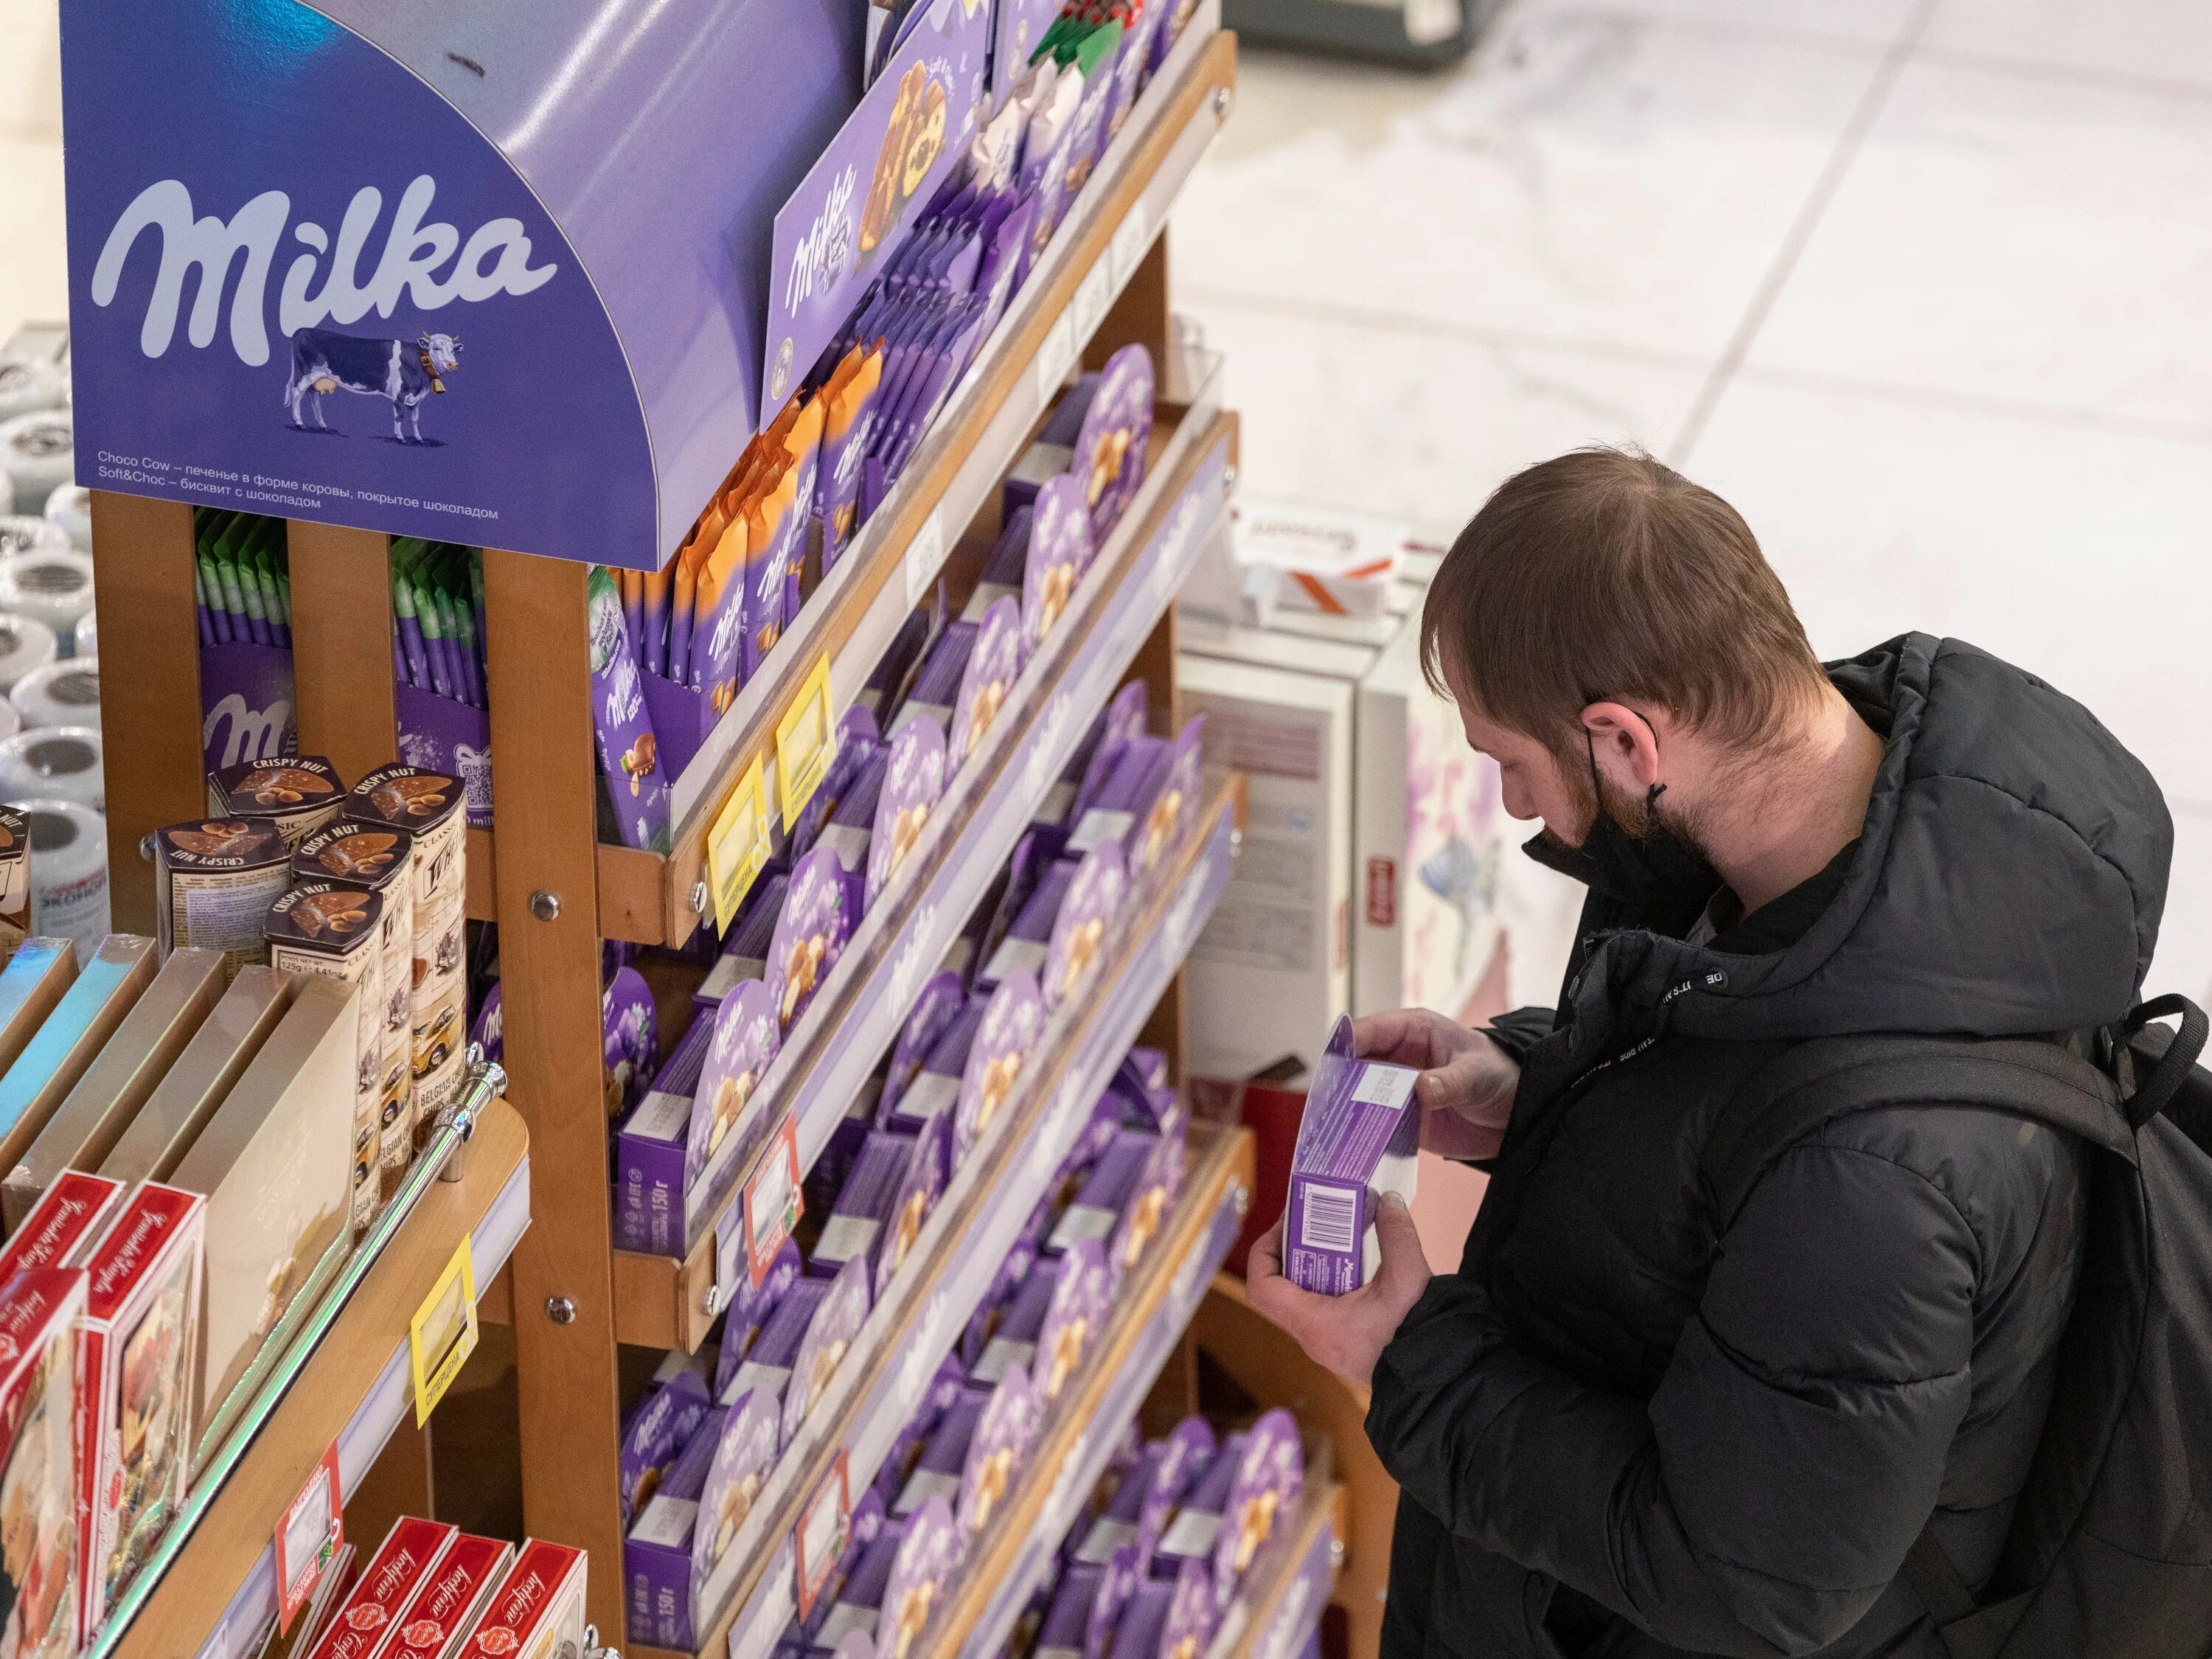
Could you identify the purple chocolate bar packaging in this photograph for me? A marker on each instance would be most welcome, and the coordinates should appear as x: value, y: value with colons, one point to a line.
x: 1120, y: 1576
x: 988, y: 676
x: 767, y: 1369
x: 935, y: 1090
x: 913, y: 779
x: 1020, y: 1332
x: 1081, y: 924
x: 745, y: 953
x: 1002, y: 572
x: 937, y: 1473
x: 1196, y: 1528
x: 1012, y: 1019
x: 629, y: 757
x: 943, y: 1392
x: 819, y: 913
x: 1359, y: 1138
x: 650, y: 1151
x: 1270, y: 1474
x: 1059, y: 551
x: 858, y: 743
x: 862, y: 1213
x: 1109, y: 460
x: 863, y: 1527
x: 938, y: 1006
x: 836, y: 1321
x: 744, y: 1454
x: 1171, y: 1618
x: 858, y: 1607
x: 1005, y: 1431
x: 749, y: 1312
x: 937, y: 688
x: 663, y: 1423
x: 916, y: 1197
x: 1146, y: 1206
x: 853, y: 824
x: 997, y: 1300
x: 1029, y: 941
x: 1114, y: 1182
x: 1082, y: 1293
x: 927, y: 1554
x: 1124, y: 796
x: 1069, y: 1616
x: 745, y: 1043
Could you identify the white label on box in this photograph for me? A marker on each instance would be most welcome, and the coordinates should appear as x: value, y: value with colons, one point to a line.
x: 923, y: 1485
x: 726, y: 976
x: 662, y: 1117
x: 1193, y: 1533
x: 926, y: 1095
x: 1001, y: 1356
x: 925, y: 556
x: 1105, y: 1537
x: 1081, y: 1221
x: 666, y: 1520
x: 1384, y: 1086
x: 1100, y: 825
x: 850, y: 842
x: 844, y: 1618
x: 1012, y: 953
x: 767, y: 1379
x: 844, y: 1237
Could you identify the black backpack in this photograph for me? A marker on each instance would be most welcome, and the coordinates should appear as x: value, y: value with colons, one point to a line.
x: 2110, y: 1553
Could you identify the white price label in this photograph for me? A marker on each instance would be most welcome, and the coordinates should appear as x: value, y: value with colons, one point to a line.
x: 1133, y: 239
x: 925, y: 556
x: 1092, y: 298
x: 1056, y: 355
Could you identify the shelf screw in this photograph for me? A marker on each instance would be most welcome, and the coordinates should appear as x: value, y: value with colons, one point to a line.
x: 1240, y: 1198
x: 714, y: 1300
x: 1335, y: 1552
x: 1223, y: 103
x: 1229, y: 478
x: 560, y: 1310
x: 544, y: 906
x: 698, y: 898
x: 146, y: 846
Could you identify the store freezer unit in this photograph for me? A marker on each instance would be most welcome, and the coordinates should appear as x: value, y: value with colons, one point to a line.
x: 1369, y: 875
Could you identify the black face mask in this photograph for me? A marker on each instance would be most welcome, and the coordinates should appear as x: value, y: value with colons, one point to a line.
x: 1659, y: 868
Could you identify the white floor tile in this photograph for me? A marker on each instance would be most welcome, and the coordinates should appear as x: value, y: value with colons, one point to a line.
x: 1605, y: 178
x: 2161, y: 39
x: 2075, y: 552
x: 34, y: 265
x: 2017, y: 238
x: 1405, y: 422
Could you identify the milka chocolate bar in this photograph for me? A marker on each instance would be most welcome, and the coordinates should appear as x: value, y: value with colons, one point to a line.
x: 214, y: 881
x: 936, y: 1088
x: 1359, y: 1138
x: 94, y: 1114
x: 1002, y: 571
x: 297, y: 793
x: 745, y: 955
x: 1168, y: 1618
x: 1052, y: 451
x: 749, y: 1310
x: 1126, y: 796
x: 945, y: 1387
x: 1196, y: 1528
x: 650, y: 1150
x: 937, y: 688
x: 660, y: 1427
x: 937, y: 1473
x: 854, y: 821
x: 1113, y: 1181
x: 863, y: 1210
x: 1069, y: 1615
x: 998, y: 1450
x: 1029, y: 940
x: 1016, y: 1343
x: 830, y: 1334
x: 859, y: 1608
x: 767, y: 1369
x: 73, y: 1033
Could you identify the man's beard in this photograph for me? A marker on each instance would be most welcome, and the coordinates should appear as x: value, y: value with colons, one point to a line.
x: 1637, y: 849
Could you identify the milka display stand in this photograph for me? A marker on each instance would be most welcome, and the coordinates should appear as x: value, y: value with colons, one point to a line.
x: 498, y: 278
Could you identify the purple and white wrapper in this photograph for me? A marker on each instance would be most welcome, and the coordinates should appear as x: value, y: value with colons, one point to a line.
x: 991, y: 1312
x: 767, y: 1369
x: 745, y: 1042
x: 862, y: 1211
x: 1109, y: 449
x: 1082, y: 1294
x: 1123, y: 797
x: 913, y: 779
x: 1270, y: 1474
x: 742, y: 1457
x: 1028, y: 942
x: 945, y: 1388
x: 990, y: 673
x: 664, y: 1422
x: 1173, y: 804
x: 936, y: 1090
x: 938, y: 1006
x: 1358, y: 1138
x: 919, y: 1189
x: 630, y: 757
x: 1174, y: 1620
x: 749, y: 1313
x: 1012, y: 1019
x: 1085, y: 919
x: 1196, y: 1528
x: 1114, y: 1182
x: 1120, y: 1579
x: 1146, y: 1206
x: 998, y: 1450
x: 843, y: 1310
x: 926, y: 1557
x: 818, y: 917
x: 744, y: 953
x: 1059, y: 553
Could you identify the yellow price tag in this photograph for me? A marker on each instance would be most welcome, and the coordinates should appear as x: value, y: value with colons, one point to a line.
x: 805, y: 741
x: 737, y: 844
x: 443, y: 1333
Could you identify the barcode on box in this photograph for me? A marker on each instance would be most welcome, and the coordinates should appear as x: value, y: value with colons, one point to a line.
x: 1328, y: 1220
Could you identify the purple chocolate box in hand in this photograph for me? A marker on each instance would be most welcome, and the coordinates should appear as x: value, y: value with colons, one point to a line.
x: 1359, y: 1138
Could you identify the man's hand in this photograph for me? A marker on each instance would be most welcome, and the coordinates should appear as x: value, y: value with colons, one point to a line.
x: 1467, y: 1083
x: 1346, y: 1334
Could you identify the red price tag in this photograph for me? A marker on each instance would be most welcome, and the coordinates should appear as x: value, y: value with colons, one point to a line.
x: 825, y: 1527
x: 309, y: 1534
x: 773, y: 1201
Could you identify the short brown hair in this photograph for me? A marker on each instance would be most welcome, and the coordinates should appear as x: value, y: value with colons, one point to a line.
x: 1604, y: 574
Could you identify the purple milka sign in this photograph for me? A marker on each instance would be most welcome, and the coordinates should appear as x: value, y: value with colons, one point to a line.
x: 843, y: 222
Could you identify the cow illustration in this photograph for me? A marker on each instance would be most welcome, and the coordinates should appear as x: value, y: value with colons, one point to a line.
x: 406, y: 372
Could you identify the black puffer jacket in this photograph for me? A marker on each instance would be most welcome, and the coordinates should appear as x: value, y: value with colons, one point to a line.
x: 1621, y: 1435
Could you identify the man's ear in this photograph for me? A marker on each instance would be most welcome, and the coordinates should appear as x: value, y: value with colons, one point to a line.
x: 1625, y: 746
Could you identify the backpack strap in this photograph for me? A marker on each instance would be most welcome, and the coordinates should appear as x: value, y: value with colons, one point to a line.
x: 1819, y: 1082
x: 2173, y: 1069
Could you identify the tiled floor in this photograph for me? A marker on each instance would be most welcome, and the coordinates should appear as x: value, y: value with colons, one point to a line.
x: 1923, y: 286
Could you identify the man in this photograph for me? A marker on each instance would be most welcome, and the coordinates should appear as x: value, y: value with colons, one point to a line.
x: 1628, y: 1427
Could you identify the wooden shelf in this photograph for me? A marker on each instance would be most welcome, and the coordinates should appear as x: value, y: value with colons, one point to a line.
x: 649, y: 899
x: 221, y: 1592
x: 854, y: 1018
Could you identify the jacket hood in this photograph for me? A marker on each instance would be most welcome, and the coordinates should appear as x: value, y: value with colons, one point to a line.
x: 2009, y: 880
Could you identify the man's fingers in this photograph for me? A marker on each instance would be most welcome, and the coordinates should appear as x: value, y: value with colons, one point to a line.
x: 1461, y: 1083
x: 1404, y: 1263
x: 1266, y: 1260
x: 1404, y: 1036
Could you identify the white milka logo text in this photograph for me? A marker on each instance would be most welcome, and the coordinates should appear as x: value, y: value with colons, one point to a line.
x: 494, y: 260
x: 822, y: 253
